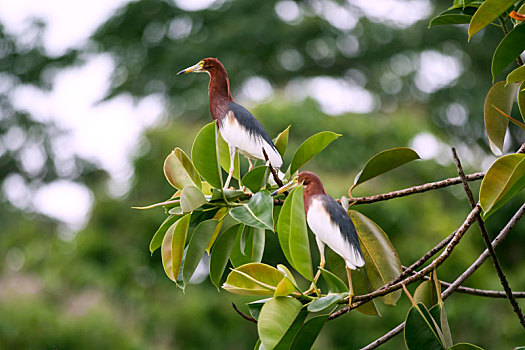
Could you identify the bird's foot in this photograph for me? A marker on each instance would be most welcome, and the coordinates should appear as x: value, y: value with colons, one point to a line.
x: 350, y: 300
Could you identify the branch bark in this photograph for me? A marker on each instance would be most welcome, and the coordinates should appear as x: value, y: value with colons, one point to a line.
x: 455, y: 285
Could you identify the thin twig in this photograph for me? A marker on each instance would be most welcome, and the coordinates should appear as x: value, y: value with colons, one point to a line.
x: 503, y: 279
x: 243, y: 315
x: 361, y: 299
x: 480, y: 292
x: 414, y: 189
x: 274, y: 173
x: 455, y: 285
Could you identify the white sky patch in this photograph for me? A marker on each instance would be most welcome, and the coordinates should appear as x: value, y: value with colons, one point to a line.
x: 69, y: 23
x: 288, y: 11
x: 337, y: 96
x: 426, y: 145
x: 398, y: 13
x: 256, y: 89
x: 436, y: 71
x: 194, y: 5
x: 66, y: 201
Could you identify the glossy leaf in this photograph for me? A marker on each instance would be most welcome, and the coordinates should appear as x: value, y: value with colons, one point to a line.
x: 180, y: 171
x: 325, y: 302
x: 204, y: 155
x: 426, y: 294
x: 156, y: 241
x: 224, y: 157
x: 517, y: 75
x: 420, y: 331
x: 504, y: 179
x: 308, y: 333
x: 220, y: 216
x: 310, y: 148
x: 439, y: 315
x: 281, y: 141
x: 191, y: 199
x: 514, y: 121
x: 466, y: 346
x: 173, y: 247
x: 256, y: 178
x: 255, y: 307
x: 221, y: 253
x: 385, y: 161
x: 284, y: 288
x: 381, y: 260
x: 521, y: 100
x: 287, y: 273
x: 248, y: 246
x: 450, y: 18
x: 361, y: 286
x: 253, y: 279
x: 230, y: 195
x: 293, y: 234
x: 196, y: 248
x: 486, y: 13
x: 258, y: 212
x: 334, y: 283
x: 502, y: 97
x: 276, y: 317
x: 288, y: 338
x: 510, y: 47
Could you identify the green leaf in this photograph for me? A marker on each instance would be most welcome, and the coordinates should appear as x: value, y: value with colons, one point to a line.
x: 221, y: 253
x: 221, y: 215
x: 385, y: 161
x: 308, y: 333
x: 325, y: 302
x: 334, y: 283
x: 231, y: 195
x: 310, y: 148
x: 256, y: 178
x: 420, y: 331
x: 281, y: 141
x: 361, y: 286
x: 180, y: 171
x: 276, y: 317
x: 156, y: 241
x: 450, y: 18
x: 253, y: 279
x: 510, y: 47
x: 284, y: 288
x: 286, y: 341
x: 293, y: 234
x: 196, y: 247
x: 466, y: 346
x: 517, y: 75
x: 248, y: 246
x: 255, y: 307
x: 521, y: 100
x: 426, y: 294
x: 204, y: 155
x: 258, y: 212
x: 173, y: 247
x: 486, y: 13
x: 502, y: 97
x: 439, y: 314
x: 381, y: 260
x: 224, y: 157
x: 191, y: 199
x: 504, y: 179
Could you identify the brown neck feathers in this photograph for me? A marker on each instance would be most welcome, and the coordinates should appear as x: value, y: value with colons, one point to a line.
x: 219, y: 92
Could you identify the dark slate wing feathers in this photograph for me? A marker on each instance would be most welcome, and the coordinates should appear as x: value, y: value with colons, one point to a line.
x: 248, y: 121
x: 341, y: 218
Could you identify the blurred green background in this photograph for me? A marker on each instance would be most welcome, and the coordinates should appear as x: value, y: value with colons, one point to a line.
x: 76, y: 272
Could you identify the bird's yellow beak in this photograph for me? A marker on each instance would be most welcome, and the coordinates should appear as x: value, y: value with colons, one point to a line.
x: 290, y: 185
x: 199, y: 67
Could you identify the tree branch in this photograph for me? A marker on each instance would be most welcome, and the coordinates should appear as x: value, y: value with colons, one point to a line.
x: 414, y: 189
x: 503, y: 279
x: 455, y: 285
x: 243, y: 315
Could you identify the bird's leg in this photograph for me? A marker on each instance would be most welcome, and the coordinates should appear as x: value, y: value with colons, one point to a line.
x: 251, y: 164
x: 350, y: 286
x: 232, y: 166
x: 322, y: 263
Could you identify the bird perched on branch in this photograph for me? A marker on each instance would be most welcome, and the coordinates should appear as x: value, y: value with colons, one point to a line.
x: 330, y: 223
x: 237, y: 125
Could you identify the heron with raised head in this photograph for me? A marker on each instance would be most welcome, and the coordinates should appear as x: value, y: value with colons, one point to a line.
x: 237, y: 125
